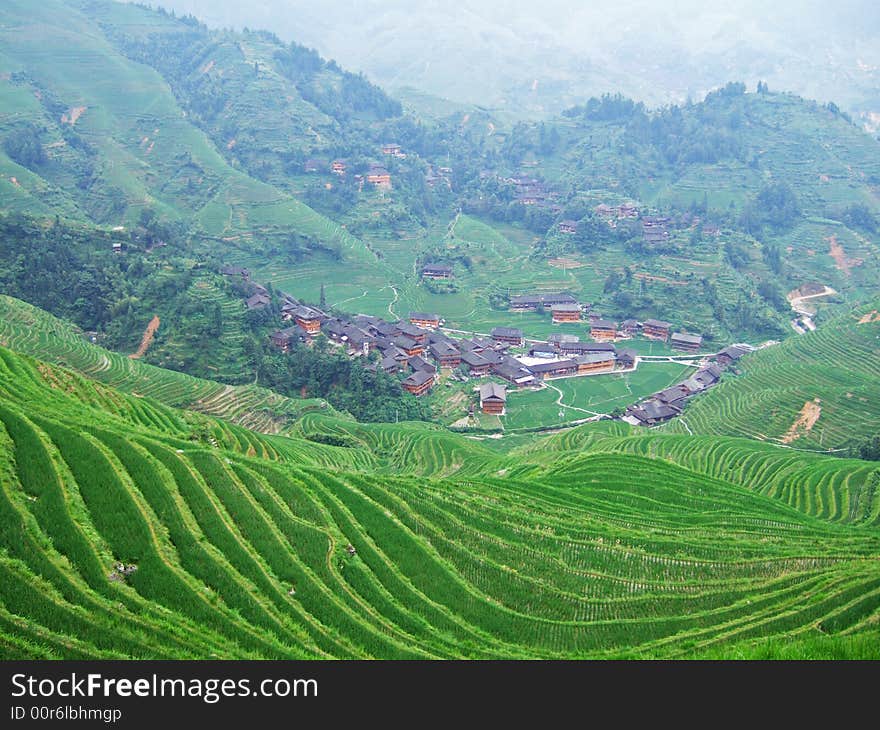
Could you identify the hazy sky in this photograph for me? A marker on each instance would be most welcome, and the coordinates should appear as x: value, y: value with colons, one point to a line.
x: 495, y: 50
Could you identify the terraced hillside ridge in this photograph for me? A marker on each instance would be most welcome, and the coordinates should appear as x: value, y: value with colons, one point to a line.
x: 836, y: 369
x: 35, y: 332
x: 122, y: 538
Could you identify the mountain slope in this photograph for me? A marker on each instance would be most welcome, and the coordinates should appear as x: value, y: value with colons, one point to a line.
x: 122, y: 536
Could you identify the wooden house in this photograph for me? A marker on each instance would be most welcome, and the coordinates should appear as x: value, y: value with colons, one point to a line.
x: 308, y: 318
x: 685, y: 342
x: 425, y: 320
x: 476, y: 365
x: 654, y: 329
x: 493, y: 398
x: 257, y: 301
x: 568, y: 227
x: 436, y: 271
x: 595, y: 362
x: 379, y: 176
x: 392, y: 149
x: 408, y: 345
x: 513, y: 371
x: 445, y: 354
x: 566, y: 312
x: 603, y: 330
x: 555, y: 369
x: 418, y: 383
x: 626, y: 358
x: 339, y: 167
x: 285, y: 339
x: 508, y: 335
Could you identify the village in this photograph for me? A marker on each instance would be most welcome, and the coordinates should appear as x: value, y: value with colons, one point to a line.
x: 419, y: 349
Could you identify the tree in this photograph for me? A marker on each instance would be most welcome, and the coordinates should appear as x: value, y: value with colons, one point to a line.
x: 24, y: 147
x: 322, y: 301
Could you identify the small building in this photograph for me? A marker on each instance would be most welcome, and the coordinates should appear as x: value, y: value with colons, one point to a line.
x: 493, y: 398
x: 555, y: 369
x: 650, y: 413
x: 530, y: 302
x: 627, y: 358
x: 730, y: 355
x: 476, y: 365
x: 508, y: 335
x: 542, y: 349
x: 308, y: 318
x: 117, y: 247
x: 595, y: 362
x: 629, y: 327
x: 436, y: 271
x: 417, y: 362
x: 409, y: 345
x: 685, y: 342
x: 235, y: 271
x: 390, y: 364
x: 338, y: 166
x: 285, y: 339
x: 603, y: 330
x: 425, y: 320
x: 557, y: 339
x: 379, y: 176
x: 445, y: 354
x: 654, y: 329
x: 566, y: 313
x: 257, y: 301
x: 418, y: 383
x: 390, y: 148
x: 513, y: 371
x: 410, y: 330
x: 568, y: 226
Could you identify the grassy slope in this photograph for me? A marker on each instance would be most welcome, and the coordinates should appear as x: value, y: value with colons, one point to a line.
x: 146, y: 153
x: 590, y: 543
x: 838, y: 364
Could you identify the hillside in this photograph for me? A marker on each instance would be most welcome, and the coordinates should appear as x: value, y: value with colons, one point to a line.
x: 818, y: 391
x: 124, y: 538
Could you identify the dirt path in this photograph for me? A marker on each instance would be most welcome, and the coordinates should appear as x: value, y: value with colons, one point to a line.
x: 841, y: 260
x: 72, y: 114
x: 147, y: 339
x: 805, y: 421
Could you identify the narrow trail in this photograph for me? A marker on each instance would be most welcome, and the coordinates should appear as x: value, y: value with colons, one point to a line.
x: 393, y: 301
x: 565, y: 405
x: 147, y: 339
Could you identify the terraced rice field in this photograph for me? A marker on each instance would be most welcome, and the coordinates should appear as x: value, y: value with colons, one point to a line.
x: 37, y: 333
x: 839, y: 364
x: 407, y: 541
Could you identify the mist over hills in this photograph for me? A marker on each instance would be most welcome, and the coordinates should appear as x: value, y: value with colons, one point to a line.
x: 541, y: 58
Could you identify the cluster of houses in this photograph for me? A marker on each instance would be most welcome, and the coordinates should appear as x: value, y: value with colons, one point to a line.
x: 670, y: 402
x: 376, y: 176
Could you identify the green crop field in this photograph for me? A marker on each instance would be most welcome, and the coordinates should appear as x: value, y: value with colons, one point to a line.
x: 834, y: 371
x: 408, y: 541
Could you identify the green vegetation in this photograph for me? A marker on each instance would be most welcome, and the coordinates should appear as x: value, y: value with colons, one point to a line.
x: 831, y: 373
x: 437, y: 547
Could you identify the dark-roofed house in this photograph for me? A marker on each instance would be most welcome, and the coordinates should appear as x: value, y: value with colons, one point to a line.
x: 595, y: 362
x: 315, y: 165
x: 390, y: 148
x: 436, y: 271
x: 652, y: 412
x: 557, y: 338
x: 685, y: 342
x: 446, y: 355
x: 493, y: 398
x: 410, y: 330
x: 417, y: 362
x: 568, y: 226
x: 629, y: 327
x: 509, y: 335
x: 235, y: 271
x: 408, y: 345
x: 308, y: 318
x: 338, y: 166
x: 654, y: 329
x: 730, y: 355
x: 555, y: 369
x: 284, y: 339
x: 566, y: 312
x: 477, y: 365
x: 493, y: 357
x: 257, y: 301
x: 390, y: 364
x: 542, y: 349
x: 603, y: 329
x: 418, y: 383
x: 513, y: 371
x: 626, y: 358
x: 673, y: 396
x: 425, y: 319
x: 379, y: 176
x: 527, y: 302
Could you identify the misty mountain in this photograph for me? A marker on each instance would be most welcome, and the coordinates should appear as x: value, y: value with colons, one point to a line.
x: 539, y: 58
